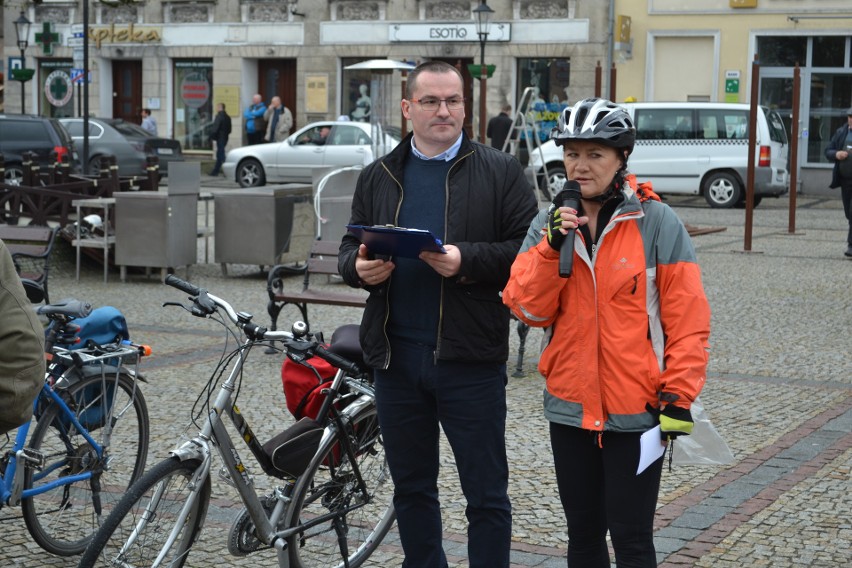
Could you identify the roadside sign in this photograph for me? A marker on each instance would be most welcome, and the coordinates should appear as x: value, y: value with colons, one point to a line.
x: 77, y: 77
x: 75, y: 38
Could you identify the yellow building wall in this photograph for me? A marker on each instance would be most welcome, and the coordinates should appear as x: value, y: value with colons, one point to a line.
x: 703, y: 18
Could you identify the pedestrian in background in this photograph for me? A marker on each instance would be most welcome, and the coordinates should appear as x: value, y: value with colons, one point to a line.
x: 279, y: 121
x: 148, y: 122
x: 219, y: 133
x: 255, y: 123
x: 499, y: 127
x: 838, y: 151
x: 434, y: 329
x: 21, y: 348
x: 628, y: 340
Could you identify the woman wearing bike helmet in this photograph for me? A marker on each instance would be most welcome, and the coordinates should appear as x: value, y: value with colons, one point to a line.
x: 628, y: 335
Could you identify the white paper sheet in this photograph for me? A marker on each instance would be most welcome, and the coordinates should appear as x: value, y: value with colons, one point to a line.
x: 651, y: 448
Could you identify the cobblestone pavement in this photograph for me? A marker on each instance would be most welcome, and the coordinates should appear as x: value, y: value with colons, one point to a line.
x: 779, y: 391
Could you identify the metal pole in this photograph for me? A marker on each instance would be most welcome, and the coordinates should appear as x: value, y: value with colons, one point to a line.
x: 483, y: 78
x: 85, y: 165
x: 23, y: 83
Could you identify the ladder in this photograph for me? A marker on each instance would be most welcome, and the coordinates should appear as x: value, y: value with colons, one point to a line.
x: 523, y: 123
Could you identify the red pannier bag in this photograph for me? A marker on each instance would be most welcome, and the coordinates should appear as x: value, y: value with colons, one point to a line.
x: 303, y: 385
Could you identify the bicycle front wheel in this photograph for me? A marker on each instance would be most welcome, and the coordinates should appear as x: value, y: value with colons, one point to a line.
x: 161, y: 516
x: 63, y: 520
x: 339, y: 517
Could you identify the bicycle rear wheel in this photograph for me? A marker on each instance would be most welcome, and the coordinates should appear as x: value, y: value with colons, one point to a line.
x: 63, y: 520
x: 140, y: 527
x: 340, y: 520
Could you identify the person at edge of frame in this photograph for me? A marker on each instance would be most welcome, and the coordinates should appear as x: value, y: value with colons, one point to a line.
x: 434, y: 329
x: 839, y: 151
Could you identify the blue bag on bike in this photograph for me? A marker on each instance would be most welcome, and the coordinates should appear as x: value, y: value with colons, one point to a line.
x: 103, y: 325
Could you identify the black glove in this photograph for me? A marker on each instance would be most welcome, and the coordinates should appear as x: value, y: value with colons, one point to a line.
x: 555, y: 237
x: 675, y: 421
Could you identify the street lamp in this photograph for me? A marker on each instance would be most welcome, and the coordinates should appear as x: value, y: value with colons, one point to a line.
x: 22, y: 30
x: 482, y: 14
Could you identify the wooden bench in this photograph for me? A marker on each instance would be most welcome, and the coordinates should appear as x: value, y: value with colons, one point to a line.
x: 322, y: 261
x: 30, y: 247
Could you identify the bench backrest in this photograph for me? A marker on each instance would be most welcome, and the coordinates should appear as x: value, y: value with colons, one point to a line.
x: 29, y: 240
x: 322, y: 259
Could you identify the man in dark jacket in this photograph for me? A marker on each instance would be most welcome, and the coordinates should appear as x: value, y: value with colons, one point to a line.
x: 434, y: 328
x: 219, y: 133
x: 839, y: 151
x: 499, y: 127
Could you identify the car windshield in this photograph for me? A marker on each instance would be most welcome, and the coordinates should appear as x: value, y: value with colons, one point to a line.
x: 130, y: 129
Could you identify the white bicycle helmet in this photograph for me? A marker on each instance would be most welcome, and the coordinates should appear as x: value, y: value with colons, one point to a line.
x: 596, y: 120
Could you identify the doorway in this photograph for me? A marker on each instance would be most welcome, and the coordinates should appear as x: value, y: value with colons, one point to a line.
x: 278, y: 77
x: 127, y: 90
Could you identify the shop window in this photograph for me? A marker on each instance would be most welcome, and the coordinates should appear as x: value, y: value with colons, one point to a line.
x: 548, y: 78
x: 830, y: 97
x: 355, y: 96
x: 782, y: 51
x: 193, y: 103
x: 56, y: 91
x: 828, y: 51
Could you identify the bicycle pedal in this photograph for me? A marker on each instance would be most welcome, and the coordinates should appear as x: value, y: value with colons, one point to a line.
x: 31, y: 456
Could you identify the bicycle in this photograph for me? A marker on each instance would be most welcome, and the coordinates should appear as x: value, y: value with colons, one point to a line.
x: 332, y: 500
x: 89, y: 441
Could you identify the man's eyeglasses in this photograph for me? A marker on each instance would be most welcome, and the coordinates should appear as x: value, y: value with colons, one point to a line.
x: 430, y: 104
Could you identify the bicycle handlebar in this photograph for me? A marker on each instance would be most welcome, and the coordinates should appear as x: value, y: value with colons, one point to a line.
x: 205, y: 303
x: 182, y: 285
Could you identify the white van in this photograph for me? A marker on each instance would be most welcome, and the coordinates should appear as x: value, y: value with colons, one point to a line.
x: 695, y: 149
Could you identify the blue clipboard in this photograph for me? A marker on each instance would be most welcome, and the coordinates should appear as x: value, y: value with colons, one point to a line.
x: 396, y: 241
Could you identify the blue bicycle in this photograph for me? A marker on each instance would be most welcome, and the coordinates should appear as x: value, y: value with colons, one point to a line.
x: 90, y: 430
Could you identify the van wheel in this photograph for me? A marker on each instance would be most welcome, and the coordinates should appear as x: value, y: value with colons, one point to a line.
x: 556, y: 177
x: 722, y: 190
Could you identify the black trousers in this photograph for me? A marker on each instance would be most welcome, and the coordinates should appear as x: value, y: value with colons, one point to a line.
x: 600, y: 491
x: 846, y: 197
x: 414, y: 397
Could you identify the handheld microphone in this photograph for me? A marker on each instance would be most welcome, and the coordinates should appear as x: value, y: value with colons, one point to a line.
x: 570, y: 198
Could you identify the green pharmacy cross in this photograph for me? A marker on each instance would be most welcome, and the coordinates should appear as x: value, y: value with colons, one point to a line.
x: 47, y: 39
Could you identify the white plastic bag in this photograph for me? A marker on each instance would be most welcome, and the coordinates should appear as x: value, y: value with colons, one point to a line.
x: 704, y: 446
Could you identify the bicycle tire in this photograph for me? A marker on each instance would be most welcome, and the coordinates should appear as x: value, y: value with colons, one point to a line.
x: 174, y: 477
x: 63, y: 520
x: 328, y: 485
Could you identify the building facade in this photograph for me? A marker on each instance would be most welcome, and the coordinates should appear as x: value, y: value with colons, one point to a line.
x: 181, y: 57
x: 705, y: 50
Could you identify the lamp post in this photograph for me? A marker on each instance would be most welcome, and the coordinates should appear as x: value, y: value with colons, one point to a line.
x: 482, y: 14
x: 22, y: 31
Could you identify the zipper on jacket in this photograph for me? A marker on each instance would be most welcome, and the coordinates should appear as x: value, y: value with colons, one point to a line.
x: 390, y: 278
x: 446, y: 232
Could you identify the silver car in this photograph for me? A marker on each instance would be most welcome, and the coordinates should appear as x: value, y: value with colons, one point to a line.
x: 128, y: 142
x: 317, y: 145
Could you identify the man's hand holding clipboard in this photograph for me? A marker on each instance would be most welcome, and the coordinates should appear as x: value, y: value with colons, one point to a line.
x: 397, y: 241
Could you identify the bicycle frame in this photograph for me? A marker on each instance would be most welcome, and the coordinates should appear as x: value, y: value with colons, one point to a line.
x: 213, y: 431
x: 12, y: 479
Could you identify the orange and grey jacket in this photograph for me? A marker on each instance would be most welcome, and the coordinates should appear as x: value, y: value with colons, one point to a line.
x: 629, y: 327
